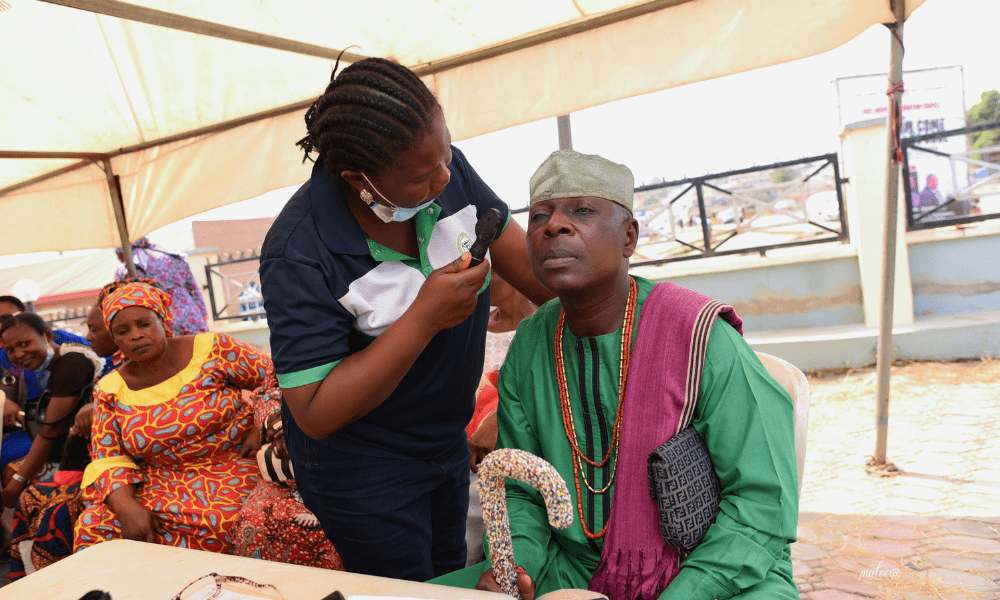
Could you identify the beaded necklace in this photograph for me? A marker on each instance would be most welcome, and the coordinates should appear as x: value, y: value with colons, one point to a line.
x: 567, y: 411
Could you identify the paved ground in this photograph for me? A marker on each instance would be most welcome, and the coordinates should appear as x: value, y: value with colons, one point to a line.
x: 933, y: 531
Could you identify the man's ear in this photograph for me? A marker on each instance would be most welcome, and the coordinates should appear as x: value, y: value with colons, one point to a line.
x: 354, y: 179
x: 631, y: 236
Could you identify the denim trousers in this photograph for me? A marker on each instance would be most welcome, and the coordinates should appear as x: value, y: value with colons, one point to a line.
x: 392, y: 517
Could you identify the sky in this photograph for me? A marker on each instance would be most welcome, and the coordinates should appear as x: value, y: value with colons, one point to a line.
x: 776, y: 113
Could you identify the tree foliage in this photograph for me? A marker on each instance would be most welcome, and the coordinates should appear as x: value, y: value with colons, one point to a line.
x: 783, y: 174
x: 987, y: 111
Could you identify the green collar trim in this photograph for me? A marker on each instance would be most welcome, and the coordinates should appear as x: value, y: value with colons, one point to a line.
x: 425, y: 222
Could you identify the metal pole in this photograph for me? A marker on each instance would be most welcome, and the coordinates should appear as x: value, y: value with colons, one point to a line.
x: 160, y: 18
x: 705, y: 223
x: 565, y: 132
x: 884, y: 358
x: 116, y: 202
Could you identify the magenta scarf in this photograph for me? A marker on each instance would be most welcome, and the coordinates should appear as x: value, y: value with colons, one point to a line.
x: 661, y: 393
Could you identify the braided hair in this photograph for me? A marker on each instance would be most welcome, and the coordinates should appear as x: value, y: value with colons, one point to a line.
x: 372, y: 112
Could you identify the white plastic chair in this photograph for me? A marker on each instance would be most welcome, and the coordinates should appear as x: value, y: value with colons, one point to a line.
x: 795, y: 383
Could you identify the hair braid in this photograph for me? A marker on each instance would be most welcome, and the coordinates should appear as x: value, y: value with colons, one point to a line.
x: 370, y: 113
x: 407, y: 79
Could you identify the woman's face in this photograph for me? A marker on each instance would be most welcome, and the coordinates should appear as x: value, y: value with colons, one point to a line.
x: 138, y: 332
x: 420, y: 174
x: 26, y: 347
x: 6, y: 308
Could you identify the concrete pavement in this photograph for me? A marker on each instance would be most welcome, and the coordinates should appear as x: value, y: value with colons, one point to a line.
x: 931, y: 532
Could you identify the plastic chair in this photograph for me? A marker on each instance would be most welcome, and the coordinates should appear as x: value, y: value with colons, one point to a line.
x: 795, y: 383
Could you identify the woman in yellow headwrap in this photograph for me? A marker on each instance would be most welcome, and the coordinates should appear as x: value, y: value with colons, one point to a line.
x: 173, y: 438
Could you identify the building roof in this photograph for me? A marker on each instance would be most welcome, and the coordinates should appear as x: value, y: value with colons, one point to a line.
x: 231, y: 236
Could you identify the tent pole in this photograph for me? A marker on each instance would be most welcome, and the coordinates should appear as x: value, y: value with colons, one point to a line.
x: 884, y: 358
x: 565, y: 132
x: 114, y: 186
x: 160, y: 18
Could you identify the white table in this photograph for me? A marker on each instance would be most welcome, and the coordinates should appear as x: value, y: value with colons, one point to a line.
x: 139, y: 571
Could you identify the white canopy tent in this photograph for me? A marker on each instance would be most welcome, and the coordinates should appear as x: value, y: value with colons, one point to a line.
x: 185, y: 105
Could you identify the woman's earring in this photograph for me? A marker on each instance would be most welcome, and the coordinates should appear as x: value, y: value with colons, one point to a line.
x: 367, y: 198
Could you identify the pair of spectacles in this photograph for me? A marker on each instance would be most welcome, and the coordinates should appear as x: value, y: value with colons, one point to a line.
x: 221, y: 580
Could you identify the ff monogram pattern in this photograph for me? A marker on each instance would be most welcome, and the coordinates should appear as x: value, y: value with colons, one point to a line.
x: 682, y: 481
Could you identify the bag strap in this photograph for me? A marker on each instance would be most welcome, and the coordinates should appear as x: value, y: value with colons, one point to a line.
x: 86, y: 396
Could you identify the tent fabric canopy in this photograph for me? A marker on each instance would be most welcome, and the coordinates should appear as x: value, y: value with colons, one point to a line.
x: 81, y: 82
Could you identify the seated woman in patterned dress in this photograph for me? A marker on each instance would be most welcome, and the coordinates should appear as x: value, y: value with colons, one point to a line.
x: 46, y: 512
x: 67, y: 372
x: 173, y: 439
x: 274, y: 524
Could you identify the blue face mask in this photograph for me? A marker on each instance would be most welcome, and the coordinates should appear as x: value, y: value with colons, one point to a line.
x: 389, y: 212
x: 42, y: 372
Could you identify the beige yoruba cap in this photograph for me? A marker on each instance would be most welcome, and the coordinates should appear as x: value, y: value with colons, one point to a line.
x: 569, y: 174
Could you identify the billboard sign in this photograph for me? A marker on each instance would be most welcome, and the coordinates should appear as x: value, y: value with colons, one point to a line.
x: 933, y: 101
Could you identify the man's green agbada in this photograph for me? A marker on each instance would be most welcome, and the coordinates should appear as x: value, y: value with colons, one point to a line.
x: 580, y: 236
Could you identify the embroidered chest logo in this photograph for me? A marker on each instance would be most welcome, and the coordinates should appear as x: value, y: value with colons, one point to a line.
x: 464, y: 243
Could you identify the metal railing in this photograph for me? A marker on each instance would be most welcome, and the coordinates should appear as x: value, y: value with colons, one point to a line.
x: 237, y: 288
x: 746, y: 211
x: 959, y: 186
x: 73, y: 320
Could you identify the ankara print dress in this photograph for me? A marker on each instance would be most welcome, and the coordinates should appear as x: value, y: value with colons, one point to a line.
x: 274, y: 524
x: 177, y: 442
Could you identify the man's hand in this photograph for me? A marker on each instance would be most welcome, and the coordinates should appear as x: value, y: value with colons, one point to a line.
x: 525, y: 585
x: 12, y: 414
x: 83, y: 422
x: 483, y: 440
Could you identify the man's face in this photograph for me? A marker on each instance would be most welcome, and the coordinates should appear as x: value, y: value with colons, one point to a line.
x: 98, y: 335
x: 577, y: 243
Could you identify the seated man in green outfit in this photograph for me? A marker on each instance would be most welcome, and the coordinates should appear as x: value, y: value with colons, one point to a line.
x: 594, y: 403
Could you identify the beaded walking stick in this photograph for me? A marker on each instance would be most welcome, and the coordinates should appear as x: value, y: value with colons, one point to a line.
x: 523, y: 466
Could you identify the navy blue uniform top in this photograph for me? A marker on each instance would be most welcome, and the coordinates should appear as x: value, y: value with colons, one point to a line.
x: 329, y: 290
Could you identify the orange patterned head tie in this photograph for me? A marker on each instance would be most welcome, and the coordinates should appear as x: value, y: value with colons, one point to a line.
x: 139, y: 294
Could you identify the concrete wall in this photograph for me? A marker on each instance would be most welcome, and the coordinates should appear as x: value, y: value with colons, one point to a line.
x: 955, y: 276
x: 787, y: 296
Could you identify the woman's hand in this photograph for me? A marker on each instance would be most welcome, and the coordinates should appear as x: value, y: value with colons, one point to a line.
x: 83, y: 422
x: 483, y: 440
x: 11, y: 492
x: 251, y: 444
x: 525, y: 584
x: 139, y: 523
x: 274, y: 434
x: 449, y: 294
x: 273, y: 426
x: 12, y: 414
x: 363, y: 380
x: 280, y: 449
